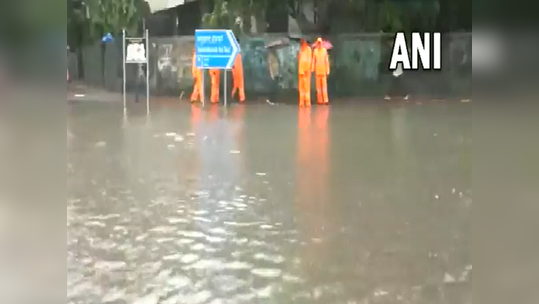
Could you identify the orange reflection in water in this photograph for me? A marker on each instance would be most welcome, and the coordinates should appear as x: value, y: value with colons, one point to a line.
x: 196, y: 115
x: 213, y: 112
x: 237, y: 115
x: 312, y: 177
x: 189, y: 178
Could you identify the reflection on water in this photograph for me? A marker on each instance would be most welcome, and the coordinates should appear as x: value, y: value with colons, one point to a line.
x: 313, y: 204
x: 255, y: 204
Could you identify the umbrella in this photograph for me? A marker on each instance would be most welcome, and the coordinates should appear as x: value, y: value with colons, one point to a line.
x: 325, y: 43
x: 278, y: 43
x: 107, y: 38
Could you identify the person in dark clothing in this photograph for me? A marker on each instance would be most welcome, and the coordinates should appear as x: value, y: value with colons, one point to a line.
x: 397, y: 87
x: 141, y: 81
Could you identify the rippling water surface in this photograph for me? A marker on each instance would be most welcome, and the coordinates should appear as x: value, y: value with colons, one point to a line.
x: 261, y: 204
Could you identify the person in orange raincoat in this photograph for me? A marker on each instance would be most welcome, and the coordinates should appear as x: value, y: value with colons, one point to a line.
x: 215, y: 77
x: 321, y: 69
x: 305, y: 59
x: 237, y: 74
x: 197, y: 75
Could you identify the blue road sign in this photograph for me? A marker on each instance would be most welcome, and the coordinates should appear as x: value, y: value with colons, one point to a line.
x: 215, y: 49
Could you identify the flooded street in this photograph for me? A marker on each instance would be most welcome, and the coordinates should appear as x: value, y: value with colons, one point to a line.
x: 269, y: 204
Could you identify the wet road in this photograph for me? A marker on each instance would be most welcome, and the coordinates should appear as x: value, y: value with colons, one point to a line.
x: 268, y: 204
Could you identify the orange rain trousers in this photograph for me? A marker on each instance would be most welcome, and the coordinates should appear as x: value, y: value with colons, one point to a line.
x: 215, y: 77
x: 304, y: 71
x: 237, y: 75
x: 197, y: 75
x: 321, y: 69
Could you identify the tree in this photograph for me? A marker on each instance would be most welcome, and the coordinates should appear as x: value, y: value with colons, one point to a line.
x: 236, y: 14
x: 89, y: 20
x: 338, y: 16
x: 112, y: 16
x: 26, y: 21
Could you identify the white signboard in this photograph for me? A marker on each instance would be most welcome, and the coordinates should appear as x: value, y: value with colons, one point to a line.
x: 136, y: 53
x: 135, y: 50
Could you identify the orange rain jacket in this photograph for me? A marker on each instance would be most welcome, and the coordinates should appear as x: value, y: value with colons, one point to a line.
x: 197, y: 76
x: 305, y: 58
x: 237, y: 75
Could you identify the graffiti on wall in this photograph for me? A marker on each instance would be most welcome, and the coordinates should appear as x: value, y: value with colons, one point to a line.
x: 173, y: 64
x: 254, y: 56
x: 461, y: 54
x: 164, y: 60
x: 255, y: 65
x: 174, y: 60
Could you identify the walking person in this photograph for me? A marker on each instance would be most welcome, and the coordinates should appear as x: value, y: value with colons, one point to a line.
x: 141, y: 81
x: 321, y: 69
x: 274, y: 71
x: 396, y: 86
x: 237, y: 75
x: 197, y: 76
x: 305, y: 58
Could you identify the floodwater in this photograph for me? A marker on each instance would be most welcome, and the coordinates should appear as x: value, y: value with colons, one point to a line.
x: 269, y: 204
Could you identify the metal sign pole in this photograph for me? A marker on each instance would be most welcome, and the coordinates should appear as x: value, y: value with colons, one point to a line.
x: 225, y: 89
x: 147, y: 72
x: 203, y: 89
x: 124, y: 72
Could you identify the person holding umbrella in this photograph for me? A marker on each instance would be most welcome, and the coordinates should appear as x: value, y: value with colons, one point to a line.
x: 305, y: 58
x: 321, y: 68
x: 274, y: 71
x: 274, y: 64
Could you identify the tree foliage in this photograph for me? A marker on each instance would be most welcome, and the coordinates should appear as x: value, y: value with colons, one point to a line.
x: 339, y: 16
x: 112, y: 16
x: 235, y: 14
x: 26, y: 21
x: 89, y: 20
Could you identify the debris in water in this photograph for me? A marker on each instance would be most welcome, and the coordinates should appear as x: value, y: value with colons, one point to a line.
x: 448, y: 279
x: 235, y: 152
x: 465, y: 276
x: 466, y: 100
x: 261, y: 174
x: 171, y: 146
x: 79, y: 95
x: 149, y: 299
x: 101, y: 144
